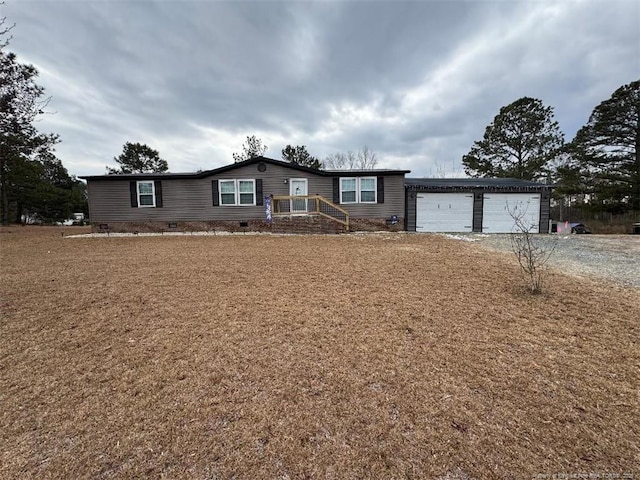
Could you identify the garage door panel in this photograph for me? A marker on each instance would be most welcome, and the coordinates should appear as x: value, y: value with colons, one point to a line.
x: 444, y: 212
x: 499, y: 208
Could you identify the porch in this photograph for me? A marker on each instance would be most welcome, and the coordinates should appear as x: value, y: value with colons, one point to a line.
x: 291, y: 206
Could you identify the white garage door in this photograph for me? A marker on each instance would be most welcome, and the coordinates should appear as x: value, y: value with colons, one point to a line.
x: 444, y: 212
x: 499, y: 209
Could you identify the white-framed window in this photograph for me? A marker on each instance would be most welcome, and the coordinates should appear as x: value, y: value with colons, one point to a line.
x: 349, y: 190
x: 238, y: 192
x: 367, y: 190
x: 358, y: 190
x: 227, y: 192
x: 247, y: 192
x: 146, y: 194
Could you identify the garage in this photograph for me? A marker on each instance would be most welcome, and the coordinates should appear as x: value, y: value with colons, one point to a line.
x: 499, y: 209
x: 444, y: 212
x: 475, y: 204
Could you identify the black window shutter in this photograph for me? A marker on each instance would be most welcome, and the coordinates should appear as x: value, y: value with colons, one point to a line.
x: 214, y: 193
x: 259, y: 197
x: 133, y: 189
x: 380, y: 189
x: 157, y: 186
x: 336, y: 190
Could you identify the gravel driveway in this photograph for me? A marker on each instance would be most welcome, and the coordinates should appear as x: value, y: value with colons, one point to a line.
x: 612, y: 257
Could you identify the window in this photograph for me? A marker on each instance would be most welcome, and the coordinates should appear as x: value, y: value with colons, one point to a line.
x: 368, y: 190
x: 146, y: 194
x: 358, y: 190
x: 237, y: 192
x: 227, y: 192
x: 348, y: 190
x: 245, y: 187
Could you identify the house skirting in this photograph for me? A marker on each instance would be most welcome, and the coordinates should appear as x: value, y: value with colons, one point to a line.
x: 376, y: 225
x: 306, y: 224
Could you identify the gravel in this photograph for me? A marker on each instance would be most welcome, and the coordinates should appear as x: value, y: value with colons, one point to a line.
x: 610, y: 257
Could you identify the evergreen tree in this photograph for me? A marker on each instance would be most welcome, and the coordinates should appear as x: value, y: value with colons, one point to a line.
x: 300, y: 156
x: 22, y: 146
x: 605, y: 153
x: 520, y: 142
x: 138, y: 158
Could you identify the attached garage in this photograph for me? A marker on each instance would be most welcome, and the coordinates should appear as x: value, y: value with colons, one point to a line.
x: 500, y: 211
x: 444, y: 212
x: 475, y: 204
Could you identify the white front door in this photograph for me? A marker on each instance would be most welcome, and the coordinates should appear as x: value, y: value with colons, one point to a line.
x: 298, y: 187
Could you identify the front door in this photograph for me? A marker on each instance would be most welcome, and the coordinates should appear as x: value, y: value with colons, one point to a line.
x: 298, y: 187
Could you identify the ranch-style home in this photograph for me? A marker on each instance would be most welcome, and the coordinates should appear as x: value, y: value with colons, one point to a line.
x: 260, y: 194
x: 263, y: 194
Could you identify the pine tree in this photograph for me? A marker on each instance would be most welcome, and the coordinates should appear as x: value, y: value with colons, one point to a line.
x: 520, y: 142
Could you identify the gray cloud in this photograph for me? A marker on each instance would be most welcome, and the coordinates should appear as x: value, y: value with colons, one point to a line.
x: 416, y: 81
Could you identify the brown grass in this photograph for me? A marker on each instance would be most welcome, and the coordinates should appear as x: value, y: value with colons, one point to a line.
x: 383, y: 356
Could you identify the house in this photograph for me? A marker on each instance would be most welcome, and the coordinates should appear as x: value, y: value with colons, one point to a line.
x: 263, y: 194
x: 259, y: 194
x: 486, y: 205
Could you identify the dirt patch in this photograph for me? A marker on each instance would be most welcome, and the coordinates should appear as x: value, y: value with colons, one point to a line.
x: 379, y: 356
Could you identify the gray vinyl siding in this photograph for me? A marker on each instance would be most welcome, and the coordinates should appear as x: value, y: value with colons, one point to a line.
x: 190, y: 199
x: 109, y: 201
x: 393, y: 201
x: 187, y: 199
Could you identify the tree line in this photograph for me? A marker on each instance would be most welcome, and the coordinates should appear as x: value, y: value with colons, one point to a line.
x: 600, y: 166
x: 36, y: 187
x: 33, y: 182
x: 363, y: 159
x: 598, y: 169
x: 140, y: 158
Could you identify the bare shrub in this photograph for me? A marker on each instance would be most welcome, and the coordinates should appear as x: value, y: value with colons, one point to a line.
x: 530, y: 249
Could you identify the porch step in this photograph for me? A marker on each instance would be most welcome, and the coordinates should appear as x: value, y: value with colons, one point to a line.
x: 308, y: 214
x: 306, y: 224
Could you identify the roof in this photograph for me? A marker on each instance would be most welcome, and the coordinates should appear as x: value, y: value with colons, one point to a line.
x: 495, y: 183
x: 251, y: 161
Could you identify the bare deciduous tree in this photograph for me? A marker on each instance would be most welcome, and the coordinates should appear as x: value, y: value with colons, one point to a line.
x: 441, y: 171
x: 253, y: 147
x: 530, y: 249
x: 363, y: 159
x: 339, y: 161
x: 367, y: 159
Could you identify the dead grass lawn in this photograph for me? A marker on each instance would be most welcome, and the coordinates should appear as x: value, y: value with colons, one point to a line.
x: 394, y: 356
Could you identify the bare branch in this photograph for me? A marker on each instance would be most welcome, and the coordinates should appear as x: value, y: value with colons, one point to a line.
x: 4, y: 30
x: 531, y: 253
x: 253, y: 147
x: 364, y: 159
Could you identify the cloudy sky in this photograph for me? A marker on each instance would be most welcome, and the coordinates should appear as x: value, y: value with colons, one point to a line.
x: 417, y: 82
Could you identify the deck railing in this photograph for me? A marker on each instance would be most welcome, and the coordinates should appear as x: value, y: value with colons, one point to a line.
x: 282, y: 205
